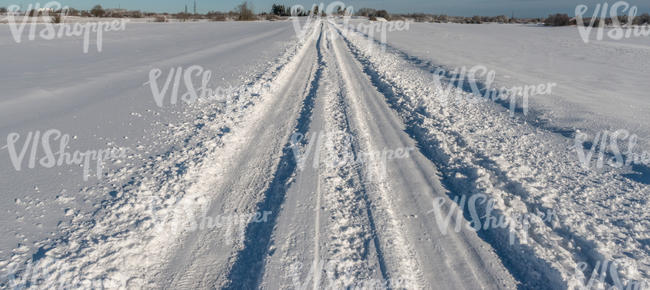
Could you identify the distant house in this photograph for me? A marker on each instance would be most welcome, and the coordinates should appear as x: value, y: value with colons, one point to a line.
x: 116, y: 12
x: 44, y: 10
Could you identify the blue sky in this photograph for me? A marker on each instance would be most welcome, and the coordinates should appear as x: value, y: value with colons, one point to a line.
x: 522, y: 8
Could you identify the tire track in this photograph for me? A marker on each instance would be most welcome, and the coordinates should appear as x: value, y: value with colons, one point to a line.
x: 410, y: 187
x: 206, y: 257
x: 345, y: 254
x: 354, y: 257
x: 249, y: 265
x: 402, y: 265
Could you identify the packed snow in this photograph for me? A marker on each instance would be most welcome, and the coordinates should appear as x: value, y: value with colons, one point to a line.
x: 319, y: 153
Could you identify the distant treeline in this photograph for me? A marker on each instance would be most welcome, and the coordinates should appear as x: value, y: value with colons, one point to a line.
x: 565, y: 20
x: 96, y: 11
x: 244, y: 12
x: 442, y: 18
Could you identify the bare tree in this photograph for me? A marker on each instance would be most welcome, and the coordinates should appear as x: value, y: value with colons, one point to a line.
x: 245, y: 13
x: 98, y: 11
x: 279, y: 10
x: 58, y: 16
x: 642, y: 19
x: 216, y: 16
x: 557, y: 20
x: 366, y: 12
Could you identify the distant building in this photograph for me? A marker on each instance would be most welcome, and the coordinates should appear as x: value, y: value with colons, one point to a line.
x: 116, y: 11
x: 113, y: 12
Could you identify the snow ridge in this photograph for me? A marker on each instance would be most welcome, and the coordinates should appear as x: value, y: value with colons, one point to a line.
x: 480, y: 150
x: 127, y: 240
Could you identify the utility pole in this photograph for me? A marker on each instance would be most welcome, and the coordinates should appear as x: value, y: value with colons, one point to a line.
x: 194, y: 7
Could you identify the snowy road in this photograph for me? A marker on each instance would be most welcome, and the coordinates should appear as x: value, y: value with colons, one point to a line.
x: 340, y: 166
x: 342, y: 224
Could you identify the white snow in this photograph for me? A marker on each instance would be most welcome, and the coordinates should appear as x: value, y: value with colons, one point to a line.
x: 100, y: 101
x: 330, y: 161
x: 601, y: 215
x: 602, y: 85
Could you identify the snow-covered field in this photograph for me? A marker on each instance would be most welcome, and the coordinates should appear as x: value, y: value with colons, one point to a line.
x: 324, y: 159
x: 601, y: 85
